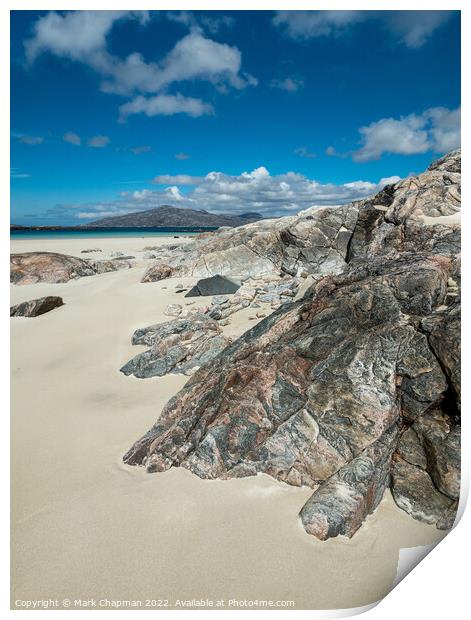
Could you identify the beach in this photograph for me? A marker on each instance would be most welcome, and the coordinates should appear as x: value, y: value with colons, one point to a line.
x: 86, y: 526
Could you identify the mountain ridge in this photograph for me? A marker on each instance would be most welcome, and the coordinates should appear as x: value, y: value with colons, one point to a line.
x: 167, y: 215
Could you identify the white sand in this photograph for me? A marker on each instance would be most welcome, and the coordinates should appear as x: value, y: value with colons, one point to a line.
x: 84, y: 525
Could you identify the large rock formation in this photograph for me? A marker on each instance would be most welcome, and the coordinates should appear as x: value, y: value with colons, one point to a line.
x: 354, y: 388
x: 316, y: 241
x: 33, y: 267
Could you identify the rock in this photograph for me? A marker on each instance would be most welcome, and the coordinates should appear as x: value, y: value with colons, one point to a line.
x: 159, y: 271
x: 91, y: 250
x: 218, y: 300
x: 354, y: 387
x: 414, y: 492
x: 116, y: 254
x: 173, y: 310
x: 179, y: 346
x: 35, y: 307
x: 216, y: 285
x: 448, y: 163
x: 32, y: 267
x: 342, y: 503
x: 148, y: 255
x: 315, y: 241
x: 105, y: 266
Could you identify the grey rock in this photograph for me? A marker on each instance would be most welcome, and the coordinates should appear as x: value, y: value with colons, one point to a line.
x: 342, y: 503
x: 36, y: 307
x: 215, y: 285
x: 173, y: 310
x: 177, y: 346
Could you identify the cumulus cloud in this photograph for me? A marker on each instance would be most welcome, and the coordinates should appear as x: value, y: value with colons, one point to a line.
x: 203, y: 21
x: 98, y: 142
x: 72, y: 138
x: 164, y: 105
x: 310, y: 24
x: 290, y: 84
x: 82, y: 36
x: 218, y: 192
x: 410, y: 28
x: 176, y: 179
x: 182, y: 156
x: 436, y: 129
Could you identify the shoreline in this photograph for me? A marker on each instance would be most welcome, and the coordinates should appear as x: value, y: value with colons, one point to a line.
x: 126, y: 534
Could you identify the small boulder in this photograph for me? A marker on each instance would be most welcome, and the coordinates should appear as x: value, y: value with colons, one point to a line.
x: 35, y: 307
x: 173, y: 310
x: 159, y: 271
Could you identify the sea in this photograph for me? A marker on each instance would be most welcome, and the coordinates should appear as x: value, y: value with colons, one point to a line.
x: 100, y: 233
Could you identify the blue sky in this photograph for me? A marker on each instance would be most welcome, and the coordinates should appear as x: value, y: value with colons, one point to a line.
x: 121, y: 111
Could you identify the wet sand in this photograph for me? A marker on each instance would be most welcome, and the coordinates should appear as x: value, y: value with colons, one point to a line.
x: 85, y: 526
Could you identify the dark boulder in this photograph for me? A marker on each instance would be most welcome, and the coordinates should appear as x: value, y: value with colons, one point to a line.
x: 35, y: 307
x: 216, y: 285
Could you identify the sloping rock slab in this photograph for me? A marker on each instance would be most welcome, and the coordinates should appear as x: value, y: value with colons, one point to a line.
x: 32, y: 267
x: 178, y: 346
x: 35, y: 307
x: 216, y: 285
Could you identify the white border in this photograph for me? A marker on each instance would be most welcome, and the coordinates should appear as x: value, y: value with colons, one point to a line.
x: 439, y: 588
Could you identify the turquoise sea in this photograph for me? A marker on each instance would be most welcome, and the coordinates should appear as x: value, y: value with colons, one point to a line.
x: 100, y: 233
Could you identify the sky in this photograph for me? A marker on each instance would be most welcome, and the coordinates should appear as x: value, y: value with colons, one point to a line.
x: 230, y: 112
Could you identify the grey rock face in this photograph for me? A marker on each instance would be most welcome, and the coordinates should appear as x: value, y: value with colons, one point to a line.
x: 35, y: 307
x: 351, y: 389
x: 315, y: 241
x: 33, y: 267
x: 179, y: 346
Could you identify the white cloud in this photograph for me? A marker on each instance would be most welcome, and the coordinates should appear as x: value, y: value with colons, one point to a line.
x: 182, y: 156
x: 217, y: 192
x: 82, y: 37
x: 176, y: 179
x: 98, y: 142
x: 310, y: 24
x: 26, y: 139
x: 72, y: 138
x: 445, y: 130
x: 436, y: 129
x: 414, y: 28
x: 164, y: 105
x: 16, y: 174
x: 138, y: 150
x: 291, y: 84
x: 410, y: 28
x: 303, y: 151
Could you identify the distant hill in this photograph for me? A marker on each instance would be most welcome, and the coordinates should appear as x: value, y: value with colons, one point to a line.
x: 167, y: 216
